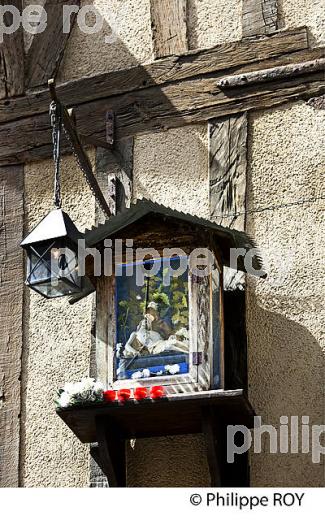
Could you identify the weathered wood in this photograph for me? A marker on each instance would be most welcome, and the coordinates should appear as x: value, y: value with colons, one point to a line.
x: 47, y: 48
x: 228, y: 169
x: 235, y: 339
x: 3, y: 92
x: 12, y: 58
x: 223, y: 57
x: 99, y: 353
x: 318, y: 102
x: 177, y: 414
x: 11, y: 320
x: 156, y: 109
x: 111, y: 450
x: 168, y: 21
x: 228, y: 164
x: 212, y: 442
x: 217, y: 352
x: 259, y: 17
x: 204, y: 337
x: 272, y: 74
x: 116, y: 167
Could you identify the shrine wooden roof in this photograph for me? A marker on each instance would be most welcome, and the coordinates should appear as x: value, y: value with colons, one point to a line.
x: 144, y: 219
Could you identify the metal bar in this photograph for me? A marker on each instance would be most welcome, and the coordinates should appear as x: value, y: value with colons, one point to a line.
x: 79, y: 152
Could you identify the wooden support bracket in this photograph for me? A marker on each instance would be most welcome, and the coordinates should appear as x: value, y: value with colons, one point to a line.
x: 110, y: 455
x: 110, y: 452
x: 111, y: 424
x: 213, y: 446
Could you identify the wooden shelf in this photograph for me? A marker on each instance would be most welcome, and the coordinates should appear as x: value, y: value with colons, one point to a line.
x: 110, y: 424
x: 173, y: 415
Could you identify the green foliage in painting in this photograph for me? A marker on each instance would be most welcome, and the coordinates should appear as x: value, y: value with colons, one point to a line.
x: 172, y: 303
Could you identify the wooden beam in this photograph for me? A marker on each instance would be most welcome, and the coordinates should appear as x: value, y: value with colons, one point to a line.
x: 115, y: 182
x: 214, y: 453
x: 11, y: 320
x: 47, y: 48
x: 259, y: 17
x: 228, y: 177
x: 233, y: 56
x: 155, y: 109
x: 3, y: 92
x: 169, y: 29
x: 12, y: 58
x: 228, y: 165
x: 262, y: 76
x: 111, y: 451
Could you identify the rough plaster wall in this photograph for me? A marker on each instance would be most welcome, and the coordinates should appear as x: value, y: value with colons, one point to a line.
x: 127, y: 24
x: 168, y: 462
x: 286, y: 311
x: 311, y: 13
x: 56, y: 345
x: 171, y: 168
x: 211, y: 22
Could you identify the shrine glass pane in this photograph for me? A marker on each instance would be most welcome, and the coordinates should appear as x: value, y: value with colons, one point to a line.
x: 152, y: 319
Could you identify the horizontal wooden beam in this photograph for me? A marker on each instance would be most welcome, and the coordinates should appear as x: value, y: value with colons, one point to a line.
x: 175, y: 68
x: 191, y: 100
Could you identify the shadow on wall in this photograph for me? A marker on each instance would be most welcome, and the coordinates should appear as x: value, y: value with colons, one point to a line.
x: 286, y: 375
x: 168, y: 462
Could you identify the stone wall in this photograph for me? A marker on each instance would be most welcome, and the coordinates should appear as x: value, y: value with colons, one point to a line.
x: 286, y: 160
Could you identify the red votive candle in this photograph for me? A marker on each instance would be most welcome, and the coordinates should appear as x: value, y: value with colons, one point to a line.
x: 140, y: 393
x: 156, y: 392
x: 124, y: 394
x: 109, y: 395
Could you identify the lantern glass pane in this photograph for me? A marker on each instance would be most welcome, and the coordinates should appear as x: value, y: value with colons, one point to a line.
x: 152, y: 319
x: 53, y: 271
x: 38, y: 268
x: 55, y: 288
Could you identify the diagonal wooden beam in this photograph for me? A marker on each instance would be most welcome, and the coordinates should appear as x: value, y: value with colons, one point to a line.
x: 47, y: 48
x: 12, y: 57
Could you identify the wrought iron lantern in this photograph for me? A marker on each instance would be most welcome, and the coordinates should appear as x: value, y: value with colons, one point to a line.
x: 52, y: 256
x: 52, y: 247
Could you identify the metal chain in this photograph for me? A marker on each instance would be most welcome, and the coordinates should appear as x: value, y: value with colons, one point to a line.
x: 56, y: 124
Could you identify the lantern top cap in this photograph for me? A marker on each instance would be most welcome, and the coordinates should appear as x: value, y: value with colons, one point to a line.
x: 57, y: 224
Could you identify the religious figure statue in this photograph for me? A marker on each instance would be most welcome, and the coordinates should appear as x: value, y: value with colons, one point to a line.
x: 154, y: 336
